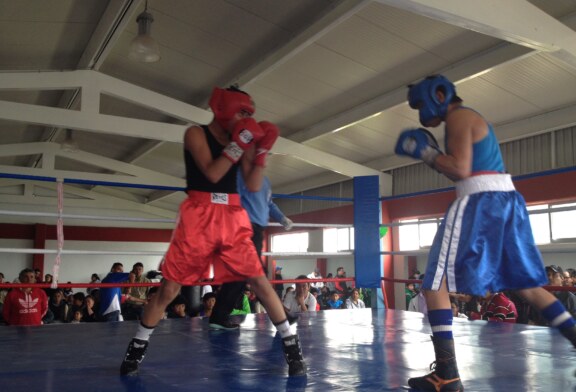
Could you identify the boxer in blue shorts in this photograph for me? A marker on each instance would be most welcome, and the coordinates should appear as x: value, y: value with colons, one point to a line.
x: 485, y: 241
x: 212, y: 226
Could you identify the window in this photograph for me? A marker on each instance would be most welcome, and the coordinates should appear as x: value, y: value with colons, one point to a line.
x: 294, y: 242
x: 417, y: 233
x: 562, y: 222
x: 550, y: 224
x: 540, y: 222
x: 338, y: 239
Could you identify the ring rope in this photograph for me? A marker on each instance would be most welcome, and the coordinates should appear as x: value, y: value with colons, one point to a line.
x: 158, y: 253
x: 59, y: 234
x: 152, y: 284
x: 133, y: 219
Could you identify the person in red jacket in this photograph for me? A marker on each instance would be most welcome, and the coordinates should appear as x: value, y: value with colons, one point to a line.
x: 25, y: 306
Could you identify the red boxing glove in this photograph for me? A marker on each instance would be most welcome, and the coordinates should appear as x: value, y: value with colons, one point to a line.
x: 246, y: 132
x: 271, y: 133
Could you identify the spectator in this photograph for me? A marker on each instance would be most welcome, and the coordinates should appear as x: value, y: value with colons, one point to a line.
x: 278, y: 287
x: 94, y: 279
x: 177, y: 308
x: 77, y: 305
x: 208, y: 302
x: 316, y: 293
x: 324, y: 296
x: 334, y: 302
x: 341, y: 287
x: 289, y: 289
x: 330, y: 285
x: 316, y: 275
x: 242, y: 304
x: 498, y: 307
x: 48, y: 278
x: 110, y: 296
x: 58, y: 306
x: 354, y: 302
x: 300, y: 300
x: 3, y: 293
x: 90, y: 311
x: 418, y: 303
x: 25, y: 306
x: 568, y: 299
x: 38, y: 275
x: 410, y: 293
x: 456, y: 309
x: 136, y: 296
x: 77, y: 316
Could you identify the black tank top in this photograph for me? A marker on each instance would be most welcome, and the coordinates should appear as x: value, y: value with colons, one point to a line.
x: 197, y: 181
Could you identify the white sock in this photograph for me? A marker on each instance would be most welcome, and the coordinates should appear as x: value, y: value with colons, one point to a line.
x: 285, y: 329
x: 144, y: 332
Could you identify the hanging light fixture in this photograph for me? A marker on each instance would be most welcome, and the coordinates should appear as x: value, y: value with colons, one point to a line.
x: 143, y: 47
x: 69, y: 144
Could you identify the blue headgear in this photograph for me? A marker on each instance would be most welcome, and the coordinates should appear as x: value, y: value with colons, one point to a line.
x: 422, y: 96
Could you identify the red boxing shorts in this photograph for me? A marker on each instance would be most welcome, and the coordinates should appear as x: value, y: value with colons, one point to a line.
x: 212, y: 228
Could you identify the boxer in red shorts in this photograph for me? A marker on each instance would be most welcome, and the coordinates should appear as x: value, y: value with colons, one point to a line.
x: 212, y: 227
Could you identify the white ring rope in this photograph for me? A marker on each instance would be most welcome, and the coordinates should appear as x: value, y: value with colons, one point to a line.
x: 132, y: 219
x: 160, y: 253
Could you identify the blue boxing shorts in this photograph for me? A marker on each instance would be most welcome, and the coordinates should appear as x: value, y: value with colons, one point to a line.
x: 485, y: 241
x: 212, y: 229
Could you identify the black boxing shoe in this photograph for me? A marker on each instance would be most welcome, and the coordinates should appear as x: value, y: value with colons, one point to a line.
x: 134, y: 355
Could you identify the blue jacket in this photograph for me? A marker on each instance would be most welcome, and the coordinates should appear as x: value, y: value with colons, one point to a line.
x: 259, y: 205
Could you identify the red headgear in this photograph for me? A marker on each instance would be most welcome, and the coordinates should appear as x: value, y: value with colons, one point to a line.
x: 226, y: 103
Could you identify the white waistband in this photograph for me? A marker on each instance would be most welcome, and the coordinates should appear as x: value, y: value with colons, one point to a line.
x: 484, y: 183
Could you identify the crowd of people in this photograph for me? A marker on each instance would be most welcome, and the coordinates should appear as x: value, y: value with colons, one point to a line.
x: 97, y: 304
x: 505, y: 306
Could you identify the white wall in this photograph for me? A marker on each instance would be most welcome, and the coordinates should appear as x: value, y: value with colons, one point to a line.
x: 12, y: 263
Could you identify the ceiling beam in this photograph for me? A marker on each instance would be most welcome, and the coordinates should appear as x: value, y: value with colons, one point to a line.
x: 329, y: 20
x: 516, y: 21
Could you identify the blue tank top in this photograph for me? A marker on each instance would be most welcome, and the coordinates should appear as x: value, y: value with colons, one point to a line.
x: 486, y: 155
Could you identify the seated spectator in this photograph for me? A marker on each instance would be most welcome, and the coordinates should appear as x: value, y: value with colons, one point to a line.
x: 289, y: 289
x: 208, y: 302
x: 58, y: 306
x: 242, y: 304
x: 323, y: 297
x: 456, y: 309
x: 410, y: 293
x: 354, y: 302
x: 3, y: 293
x: 315, y: 292
x: 498, y: 307
x: 90, y: 311
x: 300, y: 300
x: 77, y: 317
x: 177, y: 308
x: 567, y: 298
x: 25, y: 306
x: 77, y: 305
x: 330, y: 286
x: 335, y: 302
x: 418, y: 304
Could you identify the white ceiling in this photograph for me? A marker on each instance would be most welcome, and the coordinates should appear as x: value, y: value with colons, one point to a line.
x: 332, y: 74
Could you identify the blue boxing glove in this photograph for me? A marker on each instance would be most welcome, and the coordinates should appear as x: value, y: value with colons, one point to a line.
x: 418, y: 143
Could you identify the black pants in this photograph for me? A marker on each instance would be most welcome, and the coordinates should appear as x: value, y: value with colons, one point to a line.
x: 229, y: 293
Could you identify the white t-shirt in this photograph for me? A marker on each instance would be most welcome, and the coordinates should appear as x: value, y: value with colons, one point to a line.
x: 318, y: 285
x: 351, y: 305
x: 291, y: 304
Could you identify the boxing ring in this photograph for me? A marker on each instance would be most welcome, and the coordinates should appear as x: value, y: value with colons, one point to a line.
x: 346, y: 350
x: 374, y: 349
